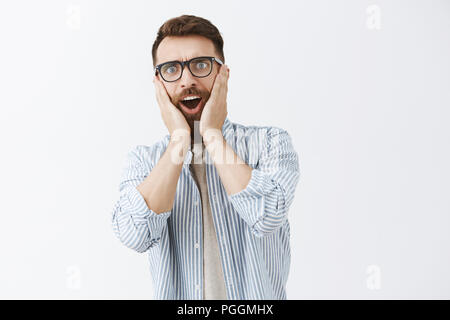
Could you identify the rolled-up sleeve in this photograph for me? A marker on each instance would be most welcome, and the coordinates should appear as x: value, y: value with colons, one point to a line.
x: 265, y: 202
x: 133, y: 222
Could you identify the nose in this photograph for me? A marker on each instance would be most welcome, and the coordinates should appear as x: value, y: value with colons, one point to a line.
x: 187, y: 80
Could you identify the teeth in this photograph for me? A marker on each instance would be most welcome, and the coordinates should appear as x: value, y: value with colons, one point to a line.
x: 191, y: 98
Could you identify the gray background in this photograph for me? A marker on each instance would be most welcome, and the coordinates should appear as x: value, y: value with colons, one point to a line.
x: 361, y: 86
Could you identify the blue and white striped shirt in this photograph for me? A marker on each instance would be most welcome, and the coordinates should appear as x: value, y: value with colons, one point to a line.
x: 252, y: 225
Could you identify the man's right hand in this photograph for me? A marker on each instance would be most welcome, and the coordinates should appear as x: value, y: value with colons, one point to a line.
x: 173, y: 118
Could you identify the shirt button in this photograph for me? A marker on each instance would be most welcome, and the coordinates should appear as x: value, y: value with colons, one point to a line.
x: 196, y: 202
x: 197, y: 287
x: 197, y: 245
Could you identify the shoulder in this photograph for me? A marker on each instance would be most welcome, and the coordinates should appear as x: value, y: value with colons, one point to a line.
x: 258, y: 133
x: 255, y: 142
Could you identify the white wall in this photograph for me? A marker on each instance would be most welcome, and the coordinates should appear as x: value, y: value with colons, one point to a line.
x: 364, y: 94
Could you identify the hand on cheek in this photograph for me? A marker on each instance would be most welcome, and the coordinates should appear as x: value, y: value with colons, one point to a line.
x: 172, y: 117
x: 215, y: 111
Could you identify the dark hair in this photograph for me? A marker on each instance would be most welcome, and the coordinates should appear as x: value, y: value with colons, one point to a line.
x: 189, y: 25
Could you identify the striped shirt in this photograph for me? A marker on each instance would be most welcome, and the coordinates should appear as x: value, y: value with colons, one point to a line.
x: 252, y: 225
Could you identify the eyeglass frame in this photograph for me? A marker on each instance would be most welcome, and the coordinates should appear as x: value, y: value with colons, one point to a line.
x: 183, y: 63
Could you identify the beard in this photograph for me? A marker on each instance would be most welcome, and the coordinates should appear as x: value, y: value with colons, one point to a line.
x: 191, y: 118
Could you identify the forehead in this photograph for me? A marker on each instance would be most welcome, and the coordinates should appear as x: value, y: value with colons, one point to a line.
x: 184, y: 48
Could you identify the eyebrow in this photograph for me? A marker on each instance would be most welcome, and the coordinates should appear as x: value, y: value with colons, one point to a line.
x: 195, y: 56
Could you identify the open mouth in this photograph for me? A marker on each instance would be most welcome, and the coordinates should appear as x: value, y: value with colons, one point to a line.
x: 191, y: 104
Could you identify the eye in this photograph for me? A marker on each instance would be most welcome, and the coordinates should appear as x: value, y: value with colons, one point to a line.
x: 201, y: 65
x: 170, y: 68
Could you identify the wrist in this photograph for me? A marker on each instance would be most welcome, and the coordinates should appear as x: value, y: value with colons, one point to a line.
x: 180, y: 136
x: 212, y: 136
x: 178, y: 147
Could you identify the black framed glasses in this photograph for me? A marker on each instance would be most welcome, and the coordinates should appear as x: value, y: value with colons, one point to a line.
x: 199, y: 67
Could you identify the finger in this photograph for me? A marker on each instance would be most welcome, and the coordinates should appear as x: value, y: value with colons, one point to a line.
x: 219, y: 81
x: 158, y: 86
x: 224, y: 78
x: 157, y: 89
x: 161, y: 92
x: 225, y: 73
x: 165, y: 94
x: 161, y: 96
x: 227, y: 76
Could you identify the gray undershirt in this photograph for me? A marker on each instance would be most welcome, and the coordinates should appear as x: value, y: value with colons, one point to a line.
x: 213, y: 279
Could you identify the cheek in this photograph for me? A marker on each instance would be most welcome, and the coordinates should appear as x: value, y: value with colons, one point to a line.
x: 209, y: 85
x: 211, y: 81
x: 170, y: 90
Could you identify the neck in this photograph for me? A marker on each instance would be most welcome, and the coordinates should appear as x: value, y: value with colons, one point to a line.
x: 195, y: 133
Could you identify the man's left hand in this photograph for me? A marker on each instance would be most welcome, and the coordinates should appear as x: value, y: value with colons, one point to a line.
x: 215, y: 110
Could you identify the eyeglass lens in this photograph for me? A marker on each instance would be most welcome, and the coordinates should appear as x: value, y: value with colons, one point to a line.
x: 200, y: 67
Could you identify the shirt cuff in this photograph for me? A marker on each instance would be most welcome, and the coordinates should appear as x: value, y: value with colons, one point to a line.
x: 250, y: 202
x: 143, y: 214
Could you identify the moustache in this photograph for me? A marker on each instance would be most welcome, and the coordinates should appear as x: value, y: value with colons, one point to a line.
x: 203, y: 94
